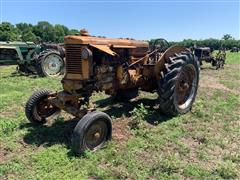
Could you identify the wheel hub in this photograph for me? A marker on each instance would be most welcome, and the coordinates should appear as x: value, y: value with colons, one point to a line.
x: 186, y: 86
x: 45, y: 109
x: 52, y: 64
x: 96, y: 134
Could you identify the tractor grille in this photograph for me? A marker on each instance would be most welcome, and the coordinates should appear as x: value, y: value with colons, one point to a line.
x: 73, y: 59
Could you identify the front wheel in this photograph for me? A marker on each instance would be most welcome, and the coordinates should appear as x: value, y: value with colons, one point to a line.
x: 91, y: 132
x: 179, y: 83
x: 38, y: 109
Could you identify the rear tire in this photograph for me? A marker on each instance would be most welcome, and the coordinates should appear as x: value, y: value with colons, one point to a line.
x: 91, y: 132
x: 38, y: 109
x: 179, y: 83
x: 50, y: 63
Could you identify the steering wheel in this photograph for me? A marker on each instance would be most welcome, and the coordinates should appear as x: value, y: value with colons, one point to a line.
x: 161, y: 44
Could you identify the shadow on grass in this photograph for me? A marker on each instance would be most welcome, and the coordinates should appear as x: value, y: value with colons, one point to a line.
x: 213, y: 68
x: 60, y: 131
x: 21, y: 74
x: 119, y: 109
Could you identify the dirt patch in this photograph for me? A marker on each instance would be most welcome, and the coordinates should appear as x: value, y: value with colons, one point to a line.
x: 214, y: 144
x: 3, y: 155
x: 192, y: 157
x: 121, y: 131
x: 4, y: 66
x: 233, y: 66
x: 190, y: 142
x: 7, y: 114
x: 211, y: 82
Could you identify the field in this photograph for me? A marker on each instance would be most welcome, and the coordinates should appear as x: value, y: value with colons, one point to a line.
x: 204, y: 143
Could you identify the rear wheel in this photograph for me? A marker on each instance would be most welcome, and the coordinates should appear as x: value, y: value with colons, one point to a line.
x: 179, y: 83
x: 38, y: 108
x: 50, y: 63
x: 91, y: 132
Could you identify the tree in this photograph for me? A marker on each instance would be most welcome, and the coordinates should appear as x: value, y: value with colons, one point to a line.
x: 45, y: 31
x: 24, y: 27
x: 227, y: 37
x: 29, y: 36
x: 60, y: 32
x: 8, y: 32
x: 73, y: 32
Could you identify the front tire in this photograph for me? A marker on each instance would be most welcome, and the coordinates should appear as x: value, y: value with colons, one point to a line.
x: 91, y: 132
x: 179, y: 83
x: 38, y: 109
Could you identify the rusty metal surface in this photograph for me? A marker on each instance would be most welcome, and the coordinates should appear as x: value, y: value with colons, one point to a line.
x: 121, y: 46
x: 73, y: 59
x: 118, y: 67
x: 114, y: 64
x: 105, y: 49
x: 103, y: 41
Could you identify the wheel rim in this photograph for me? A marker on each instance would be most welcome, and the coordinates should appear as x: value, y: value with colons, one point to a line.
x: 186, y: 86
x: 44, y: 110
x: 96, y: 135
x: 52, y: 65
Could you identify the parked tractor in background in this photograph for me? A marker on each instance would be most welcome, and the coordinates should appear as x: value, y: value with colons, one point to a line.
x: 234, y: 49
x: 118, y: 67
x: 206, y: 54
x: 43, y: 59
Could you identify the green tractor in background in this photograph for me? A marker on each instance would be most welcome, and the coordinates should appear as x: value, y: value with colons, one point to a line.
x: 46, y: 59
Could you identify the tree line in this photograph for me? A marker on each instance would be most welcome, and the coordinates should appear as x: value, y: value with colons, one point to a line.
x: 42, y: 31
x: 226, y: 42
x: 46, y: 32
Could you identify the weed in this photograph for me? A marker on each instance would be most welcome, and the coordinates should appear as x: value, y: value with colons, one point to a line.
x: 192, y: 170
x: 138, y: 114
x: 226, y: 170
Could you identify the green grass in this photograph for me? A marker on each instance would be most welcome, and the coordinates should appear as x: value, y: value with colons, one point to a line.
x: 203, y: 144
x: 233, y: 58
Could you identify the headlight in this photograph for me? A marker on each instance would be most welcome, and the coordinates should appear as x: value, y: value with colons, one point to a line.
x: 86, y: 53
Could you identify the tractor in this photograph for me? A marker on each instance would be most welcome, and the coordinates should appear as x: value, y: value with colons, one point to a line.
x: 120, y: 68
x: 234, y: 49
x: 43, y: 59
x: 205, y: 54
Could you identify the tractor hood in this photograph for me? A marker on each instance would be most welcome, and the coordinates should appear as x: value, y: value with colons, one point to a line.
x: 101, y: 41
x: 17, y: 43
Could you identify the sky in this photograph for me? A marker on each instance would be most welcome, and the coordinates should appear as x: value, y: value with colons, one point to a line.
x: 173, y: 20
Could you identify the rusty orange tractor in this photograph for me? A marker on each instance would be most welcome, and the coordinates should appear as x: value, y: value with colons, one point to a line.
x: 119, y: 67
